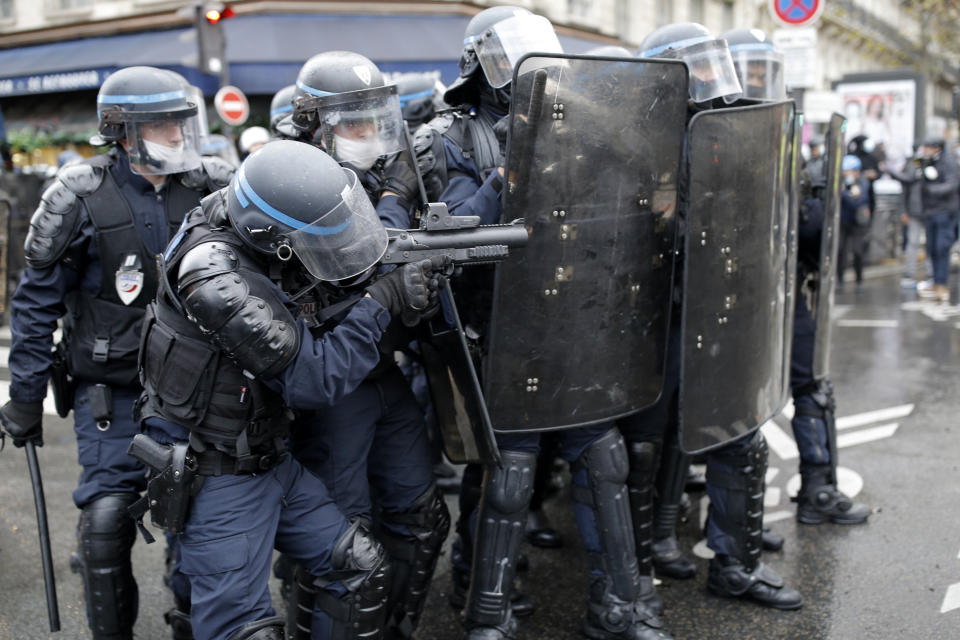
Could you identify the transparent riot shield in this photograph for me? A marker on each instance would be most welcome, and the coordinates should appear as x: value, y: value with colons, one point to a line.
x: 790, y: 289
x: 829, y: 242
x: 580, y: 316
x: 735, y: 272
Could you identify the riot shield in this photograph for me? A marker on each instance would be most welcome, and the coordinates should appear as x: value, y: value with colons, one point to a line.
x: 734, y: 296
x: 790, y: 289
x: 580, y: 316
x: 829, y: 241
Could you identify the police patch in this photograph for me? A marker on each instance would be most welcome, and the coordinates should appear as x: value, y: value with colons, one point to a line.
x: 129, y: 284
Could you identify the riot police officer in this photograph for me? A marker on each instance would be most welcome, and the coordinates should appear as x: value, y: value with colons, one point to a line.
x: 760, y: 69
x: 370, y: 447
x: 735, y: 470
x: 90, y: 252
x: 421, y: 96
x: 281, y: 110
x: 225, y: 362
x: 461, y: 155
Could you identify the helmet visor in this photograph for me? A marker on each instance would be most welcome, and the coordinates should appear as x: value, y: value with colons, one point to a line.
x: 760, y: 70
x: 162, y: 143
x: 346, y: 240
x: 501, y: 47
x: 357, y: 126
x: 712, y: 73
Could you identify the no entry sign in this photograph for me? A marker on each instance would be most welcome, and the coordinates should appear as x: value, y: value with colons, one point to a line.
x: 796, y: 13
x: 232, y: 105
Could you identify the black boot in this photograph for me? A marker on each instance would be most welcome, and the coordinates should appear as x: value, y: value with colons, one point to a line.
x: 729, y: 578
x: 820, y: 501
x: 609, y: 617
x: 668, y: 559
x: 179, y: 620
x: 540, y: 531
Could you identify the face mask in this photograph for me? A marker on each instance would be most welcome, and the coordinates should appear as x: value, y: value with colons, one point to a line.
x: 360, y: 153
x: 161, y: 156
x: 849, y: 180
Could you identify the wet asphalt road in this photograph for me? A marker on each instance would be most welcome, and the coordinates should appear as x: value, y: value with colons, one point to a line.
x: 890, y: 578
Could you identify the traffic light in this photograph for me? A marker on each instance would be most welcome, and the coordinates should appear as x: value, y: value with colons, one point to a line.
x: 210, y: 39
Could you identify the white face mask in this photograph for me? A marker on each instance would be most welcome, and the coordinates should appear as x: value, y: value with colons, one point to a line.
x: 162, y: 155
x: 360, y: 153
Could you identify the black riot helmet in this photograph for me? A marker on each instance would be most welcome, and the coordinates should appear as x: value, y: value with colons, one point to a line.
x: 292, y: 199
x: 341, y: 99
x: 281, y: 109
x: 494, y: 40
x: 151, y: 110
x: 711, y: 69
x: 759, y: 65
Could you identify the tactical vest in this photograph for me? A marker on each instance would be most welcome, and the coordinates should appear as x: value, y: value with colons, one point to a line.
x: 192, y: 382
x: 471, y: 133
x: 103, y: 332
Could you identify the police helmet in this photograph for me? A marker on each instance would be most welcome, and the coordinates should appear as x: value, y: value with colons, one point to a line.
x: 281, y: 108
x: 850, y: 162
x: 609, y: 51
x: 711, y: 69
x: 341, y: 99
x: 494, y: 41
x: 292, y: 199
x: 758, y: 63
x: 418, y: 97
x: 151, y: 110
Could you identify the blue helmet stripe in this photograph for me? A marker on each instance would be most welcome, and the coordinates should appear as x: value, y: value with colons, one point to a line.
x: 278, y: 215
x: 284, y: 109
x: 314, y: 92
x: 404, y: 99
x: 142, y: 99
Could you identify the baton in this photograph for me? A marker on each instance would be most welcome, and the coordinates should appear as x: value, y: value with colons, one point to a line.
x: 53, y: 611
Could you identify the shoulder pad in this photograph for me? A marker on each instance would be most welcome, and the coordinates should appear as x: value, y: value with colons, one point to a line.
x: 212, y: 174
x: 441, y: 123
x: 55, y: 221
x: 82, y: 178
x: 219, y: 172
x: 215, y: 209
x: 241, y: 310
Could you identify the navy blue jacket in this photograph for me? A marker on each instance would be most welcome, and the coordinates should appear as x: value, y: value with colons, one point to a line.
x: 849, y: 204
x: 38, y: 301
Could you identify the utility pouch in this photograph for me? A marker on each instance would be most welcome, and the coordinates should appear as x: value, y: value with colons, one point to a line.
x: 101, y: 405
x: 61, y: 382
x: 173, y: 483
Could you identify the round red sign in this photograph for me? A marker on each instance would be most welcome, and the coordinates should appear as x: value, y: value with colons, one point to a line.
x: 796, y: 13
x: 232, y: 105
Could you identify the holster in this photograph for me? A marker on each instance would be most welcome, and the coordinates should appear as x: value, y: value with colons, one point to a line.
x: 63, y: 385
x: 172, y: 485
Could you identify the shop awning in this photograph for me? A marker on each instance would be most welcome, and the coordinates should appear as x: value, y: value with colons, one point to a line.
x: 265, y: 51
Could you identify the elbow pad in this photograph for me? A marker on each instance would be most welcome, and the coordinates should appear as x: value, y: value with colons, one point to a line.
x: 239, y: 311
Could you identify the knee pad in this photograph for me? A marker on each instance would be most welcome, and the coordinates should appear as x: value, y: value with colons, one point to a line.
x: 107, y: 533
x: 508, y: 489
x: 361, y: 565
x: 266, y: 629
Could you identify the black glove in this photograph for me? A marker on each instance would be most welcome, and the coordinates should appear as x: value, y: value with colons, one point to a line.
x: 400, y: 178
x: 23, y: 421
x: 501, y: 129
x: 411, y: 291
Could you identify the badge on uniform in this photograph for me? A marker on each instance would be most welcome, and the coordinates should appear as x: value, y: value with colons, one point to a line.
x: 129, y: 280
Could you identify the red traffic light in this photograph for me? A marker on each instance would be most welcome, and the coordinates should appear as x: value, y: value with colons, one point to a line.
x: 214, y: 16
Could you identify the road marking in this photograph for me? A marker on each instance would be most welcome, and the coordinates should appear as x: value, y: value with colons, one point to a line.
x: 840, y: 310
x: 932, y: 309
x: 49, y: 408
x: 869, y: 324
x: 866, y: 435
x: 775, y: 516
x: 5, y: 332
x: 771, y: 497
x: 5, y: 357
x: 860, y: 419
x: 951, y: 600
x: 788, y: 410
x: 777, y: 439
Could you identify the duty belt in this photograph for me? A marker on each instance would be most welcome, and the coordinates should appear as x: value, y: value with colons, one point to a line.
x: 217, y: 463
